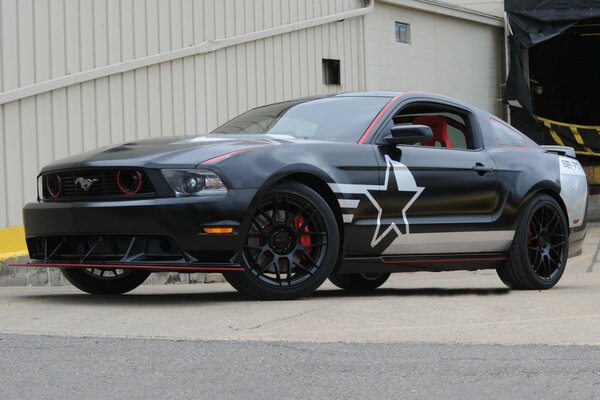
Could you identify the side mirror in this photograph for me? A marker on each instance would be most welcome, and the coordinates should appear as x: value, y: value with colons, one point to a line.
x: 408, y: 134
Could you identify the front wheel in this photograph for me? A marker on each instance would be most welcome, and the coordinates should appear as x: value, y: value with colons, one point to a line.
x: 359, y: 281
x: 538, y: 255
x: 105, y: 281
x: 291, y: 247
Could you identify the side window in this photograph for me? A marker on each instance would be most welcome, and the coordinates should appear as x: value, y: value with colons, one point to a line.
x: 450, y: 129
x: 505, y: 136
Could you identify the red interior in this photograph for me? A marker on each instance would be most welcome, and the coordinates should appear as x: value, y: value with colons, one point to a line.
x: 439, y: 127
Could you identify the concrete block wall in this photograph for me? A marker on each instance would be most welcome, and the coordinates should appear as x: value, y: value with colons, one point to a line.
x: 25, y: 276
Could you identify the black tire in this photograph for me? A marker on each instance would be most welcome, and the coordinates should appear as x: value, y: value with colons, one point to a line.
x: 291, y: 247
x: 359, y: 281
x: 538, y: 255
x: 109, y: 282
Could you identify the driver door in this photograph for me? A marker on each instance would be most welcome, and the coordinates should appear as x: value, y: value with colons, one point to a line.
x: 437, y: 196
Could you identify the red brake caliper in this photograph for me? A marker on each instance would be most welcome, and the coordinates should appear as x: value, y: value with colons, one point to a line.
x: 304, y: 237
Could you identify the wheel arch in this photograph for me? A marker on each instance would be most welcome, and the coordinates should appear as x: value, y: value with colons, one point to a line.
x: 556, y: 196
x: 550, y: 192
x: 310, y: 179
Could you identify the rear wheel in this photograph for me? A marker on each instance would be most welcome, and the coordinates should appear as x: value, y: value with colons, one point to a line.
x: 291, y: 247
x: 359, y: 281
x: 538, y: 255
x: 105, y: 281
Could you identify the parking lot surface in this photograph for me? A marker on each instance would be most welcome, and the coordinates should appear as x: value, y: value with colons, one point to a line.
x: 420, y: 335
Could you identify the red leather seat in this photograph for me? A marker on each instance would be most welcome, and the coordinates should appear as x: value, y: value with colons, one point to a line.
x: 439, y: 127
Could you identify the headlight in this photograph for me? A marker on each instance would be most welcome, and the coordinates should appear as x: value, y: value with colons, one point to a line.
x: 194, y: 182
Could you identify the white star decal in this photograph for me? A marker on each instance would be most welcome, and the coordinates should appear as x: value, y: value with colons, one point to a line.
x: 405, y: 182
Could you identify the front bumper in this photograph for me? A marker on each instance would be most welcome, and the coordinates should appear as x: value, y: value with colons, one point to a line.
x: 179, y: 219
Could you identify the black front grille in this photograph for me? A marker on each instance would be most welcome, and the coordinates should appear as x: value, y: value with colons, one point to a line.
x: 102, y: 185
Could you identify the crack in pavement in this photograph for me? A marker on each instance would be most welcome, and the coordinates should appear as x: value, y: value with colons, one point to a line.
x: 594, y: 259
x: 278, y: 320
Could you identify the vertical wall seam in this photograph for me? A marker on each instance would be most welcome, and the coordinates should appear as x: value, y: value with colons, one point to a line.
x: 18, y: 28
x: 107, y: 37
x: 96, y: 113
x: 79, y: 38
x: 110, y: 120
x: 181, y: 17
x: 22, y: 161
x: 146, y: 26
x: 52, y: 131
x: 2, y: 58
x: 65, y: 53
x: 5, y: 163
x: 195, y: 90
x: 34, y: 50
x: 147, y: 69
x: 50, y: 52
x: 135, y: 100
x: 68, y: 121
x: 193, y: 12
x: 94, y: 23
x: 81, y: 116
x: 172, y: 98
x: 160, y: 100
x: 170, y: 25
x: 206, y: 91
x: 121, y: 36
x: 122, y: 77
x: 185, y: 100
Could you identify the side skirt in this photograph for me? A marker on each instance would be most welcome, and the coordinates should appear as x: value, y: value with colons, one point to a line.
x: 413, y: 263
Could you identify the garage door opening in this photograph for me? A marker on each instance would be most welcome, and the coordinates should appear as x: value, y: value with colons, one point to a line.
x: 564, y: 78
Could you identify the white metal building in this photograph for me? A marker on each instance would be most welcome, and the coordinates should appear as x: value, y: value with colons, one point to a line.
x: 80, y: 74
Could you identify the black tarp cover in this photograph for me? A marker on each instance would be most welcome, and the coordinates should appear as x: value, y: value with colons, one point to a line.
x: 532, y: 22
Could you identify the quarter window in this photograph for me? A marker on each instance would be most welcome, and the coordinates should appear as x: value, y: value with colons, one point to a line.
x: 506, y: 136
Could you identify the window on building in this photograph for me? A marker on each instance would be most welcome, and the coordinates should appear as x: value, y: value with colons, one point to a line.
x: 331, y: 72
x: 402, y: 32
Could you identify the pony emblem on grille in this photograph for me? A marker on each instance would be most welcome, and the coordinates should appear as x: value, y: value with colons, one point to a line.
x: 85, y: 183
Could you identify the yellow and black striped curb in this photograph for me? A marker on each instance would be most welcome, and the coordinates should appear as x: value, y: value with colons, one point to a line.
x: 585, y: 139
x: 12, y: 242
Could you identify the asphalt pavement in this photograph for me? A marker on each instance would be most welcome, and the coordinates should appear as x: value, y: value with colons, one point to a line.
x: 455, y: 335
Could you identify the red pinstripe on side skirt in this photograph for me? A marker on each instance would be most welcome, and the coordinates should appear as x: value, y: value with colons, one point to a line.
x: 383, y: 260
x: 128, y: 266
x: 365, y: 135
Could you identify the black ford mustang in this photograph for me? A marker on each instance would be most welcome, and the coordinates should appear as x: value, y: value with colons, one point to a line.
x: 350, y: 187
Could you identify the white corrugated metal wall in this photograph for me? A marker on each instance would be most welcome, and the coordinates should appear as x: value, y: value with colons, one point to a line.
x: 67, y: 83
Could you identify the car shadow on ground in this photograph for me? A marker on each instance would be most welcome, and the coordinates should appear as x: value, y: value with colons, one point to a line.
x: 170, y: 299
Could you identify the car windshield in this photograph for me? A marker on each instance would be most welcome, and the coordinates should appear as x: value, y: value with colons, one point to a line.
x: 341, y: 119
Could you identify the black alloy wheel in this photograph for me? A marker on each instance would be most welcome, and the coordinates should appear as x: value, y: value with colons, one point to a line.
x: 291, y: 245
x: 546, y: 242
x: 107, y: 274
x: 105, y: 281
x: 538, y: 256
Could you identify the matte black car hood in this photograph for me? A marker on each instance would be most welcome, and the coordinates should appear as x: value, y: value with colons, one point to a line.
x: 174, y: 152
